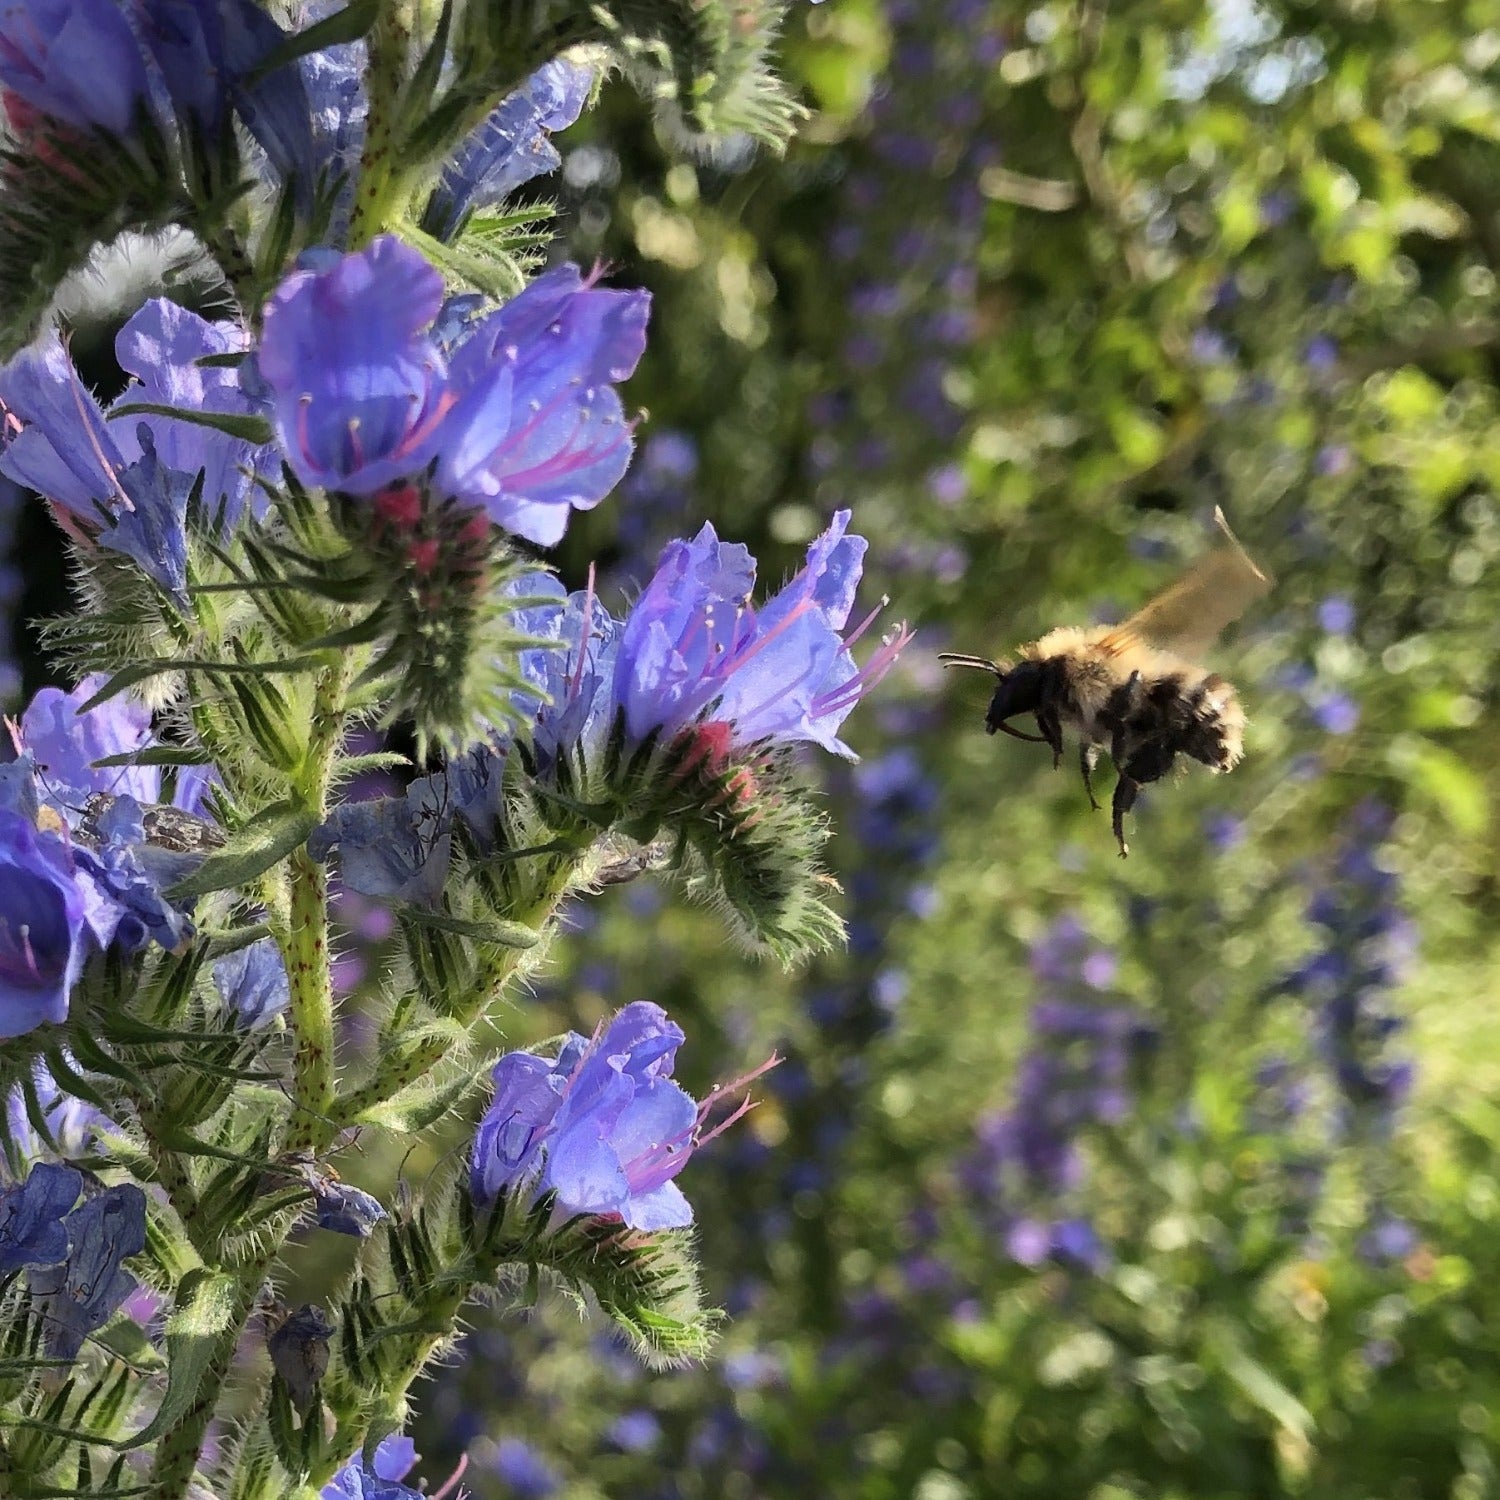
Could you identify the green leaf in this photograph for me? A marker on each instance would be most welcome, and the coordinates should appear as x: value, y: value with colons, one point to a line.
x: 506, y: 934
x: 251, y: 429
x: 346, y: 25
x: 265, y: 840
x: 158, y: 755
x: 208, y: 1306
x: 421, y: 1106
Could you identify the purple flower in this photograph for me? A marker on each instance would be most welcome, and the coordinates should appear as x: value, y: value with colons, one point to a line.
x: 32, y: 1232
x: 252, y: 982
x: 635, y: 1432
x: 694, y: 650
x: 541, y: 429
x: 129, y: 480
x: 394, y: 1457
x: 342, y: 1208
x: 80, y: 1295
x: 570, y: 705
x: 524, y: 1472
x: 70, y: 1122
x: 602, y: 1125
x: 392, y: 846
x: 74, y: 61
x: 359, y: 389
x: 64, y: 742
x: 1388, y: 1239
x: 44, y: 933
x: 1336, y: 713
x: 1336, y: 615
x: 208, y: 54
x: 511, y: 147
x: 522, y: 418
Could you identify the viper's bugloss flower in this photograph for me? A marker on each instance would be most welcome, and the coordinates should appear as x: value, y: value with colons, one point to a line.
x: 44, y: 931
x: 523, y: 1471
x: 80, y: 1295
x: 380, y: 1479
x: 31, y: 1217
x: 695, y: 651
x: 64, y: 742
x: 512, y: 145
x: 126, y: 483
x: 122, y: 876
x: 342, y: 1208
x: 570, y: 705
x: 252, y: 982
x: 392, y: 846
x: 71, y: 1123
x: 209, y: 54
x: 359, y: 389
x: 521, y: 418
x: 74, y: 61
x: 602, y: 1125
x: 540, y: 429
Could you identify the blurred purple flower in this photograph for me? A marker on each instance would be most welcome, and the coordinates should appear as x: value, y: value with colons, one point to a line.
x: 1336, y: 615
x: 1387, y: 1240
x: 523, y: 1471
x: 1335, y: 713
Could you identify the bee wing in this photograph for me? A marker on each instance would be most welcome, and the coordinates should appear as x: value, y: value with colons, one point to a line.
x: 1186, y: 617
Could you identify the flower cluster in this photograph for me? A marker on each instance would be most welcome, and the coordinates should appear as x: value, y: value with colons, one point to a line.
x: 515, y: 413
x: 693, y: 665
x: 71, y: 1250
x: 1075, y: 1075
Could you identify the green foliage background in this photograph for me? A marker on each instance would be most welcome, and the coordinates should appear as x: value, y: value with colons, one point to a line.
x: 1210, y: 254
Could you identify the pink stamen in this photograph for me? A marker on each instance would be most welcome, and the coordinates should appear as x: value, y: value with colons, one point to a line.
x: 453, y: 1478
x: 865, y: 624
x: 849, y: 693
x: 111, y: 478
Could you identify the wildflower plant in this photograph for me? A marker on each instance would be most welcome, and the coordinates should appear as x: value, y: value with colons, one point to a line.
x: 313, y: 514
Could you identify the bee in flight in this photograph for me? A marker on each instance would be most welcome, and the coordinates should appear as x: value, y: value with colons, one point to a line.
x: 1136, y: 688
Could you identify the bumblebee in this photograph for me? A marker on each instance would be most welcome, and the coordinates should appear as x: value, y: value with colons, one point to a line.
x: 1136, y: 688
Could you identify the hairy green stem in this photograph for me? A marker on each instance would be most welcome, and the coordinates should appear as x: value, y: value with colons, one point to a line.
x: 305, y: 945
x: 497, y: 966
x: 381, y: 180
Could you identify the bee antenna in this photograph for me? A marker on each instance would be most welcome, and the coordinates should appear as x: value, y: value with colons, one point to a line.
x: 982, y: 663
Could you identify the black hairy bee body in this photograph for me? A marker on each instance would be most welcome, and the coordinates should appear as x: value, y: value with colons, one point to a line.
x: 1136, y: 689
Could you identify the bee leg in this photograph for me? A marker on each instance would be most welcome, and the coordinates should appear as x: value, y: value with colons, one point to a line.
x: 1088, y: 758
x: 1051, y: 730
x: 1125, y: 792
